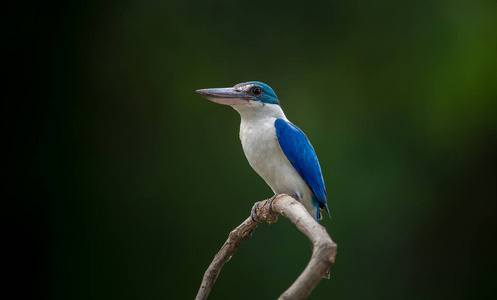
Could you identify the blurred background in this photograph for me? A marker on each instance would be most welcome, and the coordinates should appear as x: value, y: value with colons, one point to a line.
x: 125, y: 182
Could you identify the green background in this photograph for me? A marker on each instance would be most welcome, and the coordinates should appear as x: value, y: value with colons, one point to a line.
x: 126, y: 182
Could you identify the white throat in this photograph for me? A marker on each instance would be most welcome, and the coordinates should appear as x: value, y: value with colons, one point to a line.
x: 257, y: 111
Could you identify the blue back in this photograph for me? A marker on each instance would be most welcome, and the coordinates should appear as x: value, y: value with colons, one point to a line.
x: 297, y: 148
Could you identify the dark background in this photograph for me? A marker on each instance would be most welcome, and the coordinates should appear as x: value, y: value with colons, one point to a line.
x: 125, y: 183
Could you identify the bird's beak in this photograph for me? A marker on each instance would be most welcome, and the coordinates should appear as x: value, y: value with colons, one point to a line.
x: 226, y: 96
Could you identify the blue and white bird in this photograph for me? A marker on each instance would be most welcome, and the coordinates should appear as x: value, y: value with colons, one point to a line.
x: 275, y: 148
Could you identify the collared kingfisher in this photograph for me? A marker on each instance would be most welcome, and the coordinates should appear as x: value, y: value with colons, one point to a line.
x: 275, y: 148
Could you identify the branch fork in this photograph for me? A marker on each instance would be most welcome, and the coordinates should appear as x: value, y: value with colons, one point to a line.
x: 323, y: 248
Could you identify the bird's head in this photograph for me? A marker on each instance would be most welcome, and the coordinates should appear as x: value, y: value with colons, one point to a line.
x: 242, y: 94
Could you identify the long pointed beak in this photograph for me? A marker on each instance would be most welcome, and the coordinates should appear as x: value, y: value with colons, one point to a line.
x: 226, y: 96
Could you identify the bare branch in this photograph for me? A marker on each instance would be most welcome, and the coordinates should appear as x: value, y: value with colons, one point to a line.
x: 323, y: 253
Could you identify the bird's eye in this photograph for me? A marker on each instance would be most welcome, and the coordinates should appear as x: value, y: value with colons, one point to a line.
x: 256, y: 91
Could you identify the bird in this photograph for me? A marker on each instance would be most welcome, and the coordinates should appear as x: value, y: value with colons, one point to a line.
x: 275, y: 148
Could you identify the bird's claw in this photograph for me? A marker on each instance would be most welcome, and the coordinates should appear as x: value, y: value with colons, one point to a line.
x: 253, y: 213
x: 270, y: 201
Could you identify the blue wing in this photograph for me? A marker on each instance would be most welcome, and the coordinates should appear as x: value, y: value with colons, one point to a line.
x: 300, y: 153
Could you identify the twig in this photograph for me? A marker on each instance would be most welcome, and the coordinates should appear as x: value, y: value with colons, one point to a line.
x: 323, y: 253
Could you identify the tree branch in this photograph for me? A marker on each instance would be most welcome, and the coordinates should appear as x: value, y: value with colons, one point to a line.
x: 323, y: 248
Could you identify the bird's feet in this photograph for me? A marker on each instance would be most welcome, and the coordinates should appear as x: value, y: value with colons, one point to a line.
x: 253, y: 213
x: 255, y: 208
x: 270, y: 201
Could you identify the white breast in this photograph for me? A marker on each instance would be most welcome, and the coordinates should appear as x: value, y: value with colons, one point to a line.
x: 261, y: 147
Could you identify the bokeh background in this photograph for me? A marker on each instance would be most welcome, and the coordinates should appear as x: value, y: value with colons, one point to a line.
x: 126, y: 183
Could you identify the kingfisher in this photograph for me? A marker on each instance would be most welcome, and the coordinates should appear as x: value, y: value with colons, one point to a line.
x: 275, y: 148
